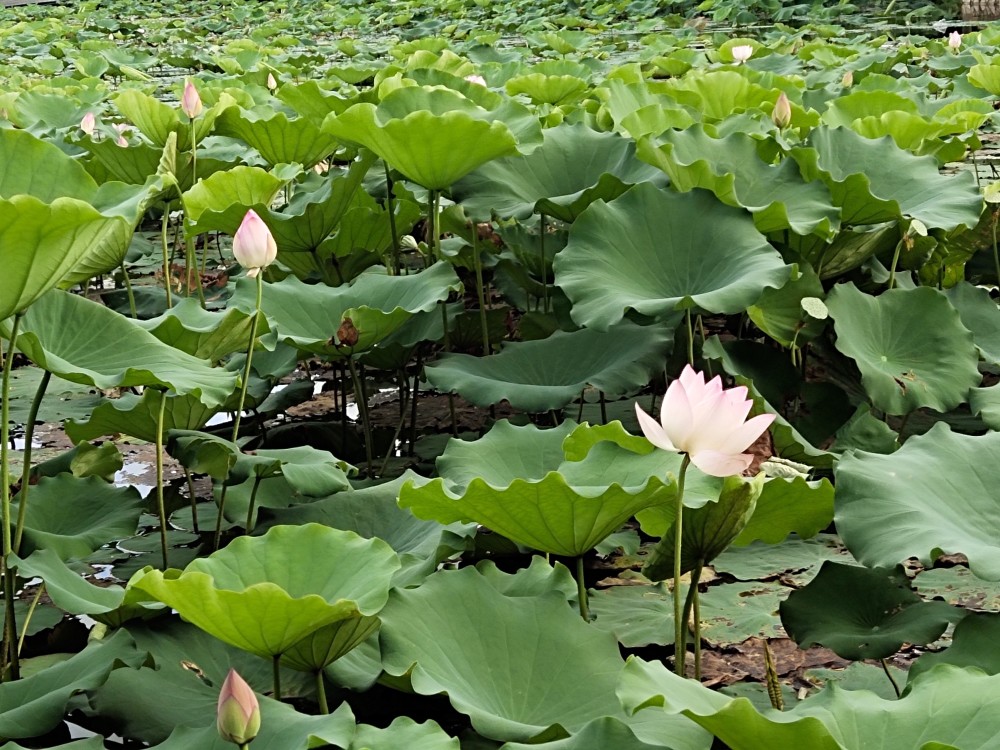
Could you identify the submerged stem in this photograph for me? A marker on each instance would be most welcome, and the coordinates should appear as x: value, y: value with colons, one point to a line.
x: 680, y: 626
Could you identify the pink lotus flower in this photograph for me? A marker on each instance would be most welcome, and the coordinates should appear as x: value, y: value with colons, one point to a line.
x: 191, y: 101
x: 954, y: 41
x: 253, y: 244
x: 88, y: 123
x: 476, y: 79
x: 238, y: 712
x: 121, y: 128
x: 741, y: 53
x: 707, y: 422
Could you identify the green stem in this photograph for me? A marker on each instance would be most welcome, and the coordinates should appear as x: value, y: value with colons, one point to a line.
x: 690, y: 335
x: 362, y: 400
x: 390, y: 207
x: 581, y: 590
x: 246, y: 365
x: 435, y: 227
x: 324, y: 707
x: 885, y: 668
x: 276, y: 671
x: 194, y: 500
x: 680, y: 626
x: 10, y: 625
x: 29, y: 436
x: 9, y: 583
x: 166, y: 255
x: 480, y: 292
x: 895, y: 260
x: 160, y: 504
x: 27, y: 617
x: 996, y: 255
x: 128, y: 290
x: 541, y: 245
x: 218, y: 521
x: 695, y: 578
x: 253, y: 501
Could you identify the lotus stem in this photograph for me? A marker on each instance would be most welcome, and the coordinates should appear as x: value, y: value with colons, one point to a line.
x: 276, y: 672
x: 404, y: 393
x: 413, y: 402
x: 128, y: 291
x: 690, y: 335
x: 218, y: 521
x: 362, y: 400
x: 324, y: 707
x: 160, y: 504
x: 9, y: 584
x: 680, y: 627
x: 194, y: 500
x: 895, y: 260
x: 604, y: 408
x: 581, y: 590
x: 996, y: 254
x: 29, y: 436
x: 249, y: 361
x: 391, y: 209
x: 480, y: 292
x: 27, y: 617
x: 191, y: 261
x: 895, y: 685
x: 253, y: 501
x: 435, y: 228
x: 693, y: 605
x: 541, y: 250
x: 166, y: 256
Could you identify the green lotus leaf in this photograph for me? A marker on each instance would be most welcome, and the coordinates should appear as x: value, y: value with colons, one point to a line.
x: 323, y: 647
x: 220, y: 202
x: 74, y: 517
x: 786, y: 506
x: 780, y: 314
x: 311, y: 101
x: 894, y: 184
x: 985, y: 403
x: 775, y: 194
x: 265, y: 594
x: 848, y: 250
x: 947, y: 707
x: 550, y: 373
x: 308, y: 317
x: 547, y: 89
x: 103, y: 348
x: 530, y: 643
x: 793, y: 559
x: 986, y: 76
x: 857, y: 104
x: 980, y: 315
x: 138, y: 417
x: 206, y: 335
x: 40, y: 169
x: 606, y: 732
x: 44, y: 242
x: 933, y: 495
x: 863, y: 613
x: 573, y: 167
x: 309, y: 471
x: 404, y: 732
x: 719, y: 94
x: 909, y: 344
x: 92, y: 743
x: 32, y: 706
x: 203, y: 453
x: 434, y: 118
x: 277, y: 137
x: 642, y: 252
x: 637, y: 110
x: 157, y: 120
x: 973, y: 644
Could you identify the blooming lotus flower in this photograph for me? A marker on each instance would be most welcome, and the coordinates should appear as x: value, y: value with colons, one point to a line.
x: 238, y: 712
x: 707, y: 422
x: 88, y: 123
x: 781, y: 115
x: 954, y: 41
x: 476, y: 79
x: 191, y: 101
x: 741, y: 53
x: 253, y: 244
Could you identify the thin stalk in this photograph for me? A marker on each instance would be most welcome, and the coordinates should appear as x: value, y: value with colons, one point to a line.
x: 27, y: 617
x: 10, y: 626
x: 128, y: 290
x: 541, y: 246
x: 160, y: 504
x: 166, y: 256
x: 29, y: 436
x: 218, y: 521
x: 885, y: 668
x: 604, y: 409
x: 581, y: 590
x: 9, y: 583
x: 194, y: 500
x: 404, y: 394
x: 692, y: 605
x: 680, y: 627
x: 413, y: 403
x: 191, y: 261
x: 362, y: 400
x: 996, y: 255
x: 253, y: 501
x: 701, y: 334
x: 324, y: 707
x: 895, y: 260
x: 276, y: 671
x: 435, y: 226
x: 246, y: 365
x: 391, y: 209
x: 480, y: 292
x: 690, y: 335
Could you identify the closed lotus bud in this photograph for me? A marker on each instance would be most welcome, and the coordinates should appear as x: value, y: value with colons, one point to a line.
x: 238, y: 712
x: 88, y: 123
x: 781, y: 115
x: 408, y: 242
x: 741, y: 53
x: 191, y: 101
x: 476, y: 79
x: 253, y: 245
x: 271, y: 82
x: 347, y: 334
x: 848, y: 80
x: 954, y: 41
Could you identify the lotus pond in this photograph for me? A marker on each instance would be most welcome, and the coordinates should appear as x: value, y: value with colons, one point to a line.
x: 579, y: 375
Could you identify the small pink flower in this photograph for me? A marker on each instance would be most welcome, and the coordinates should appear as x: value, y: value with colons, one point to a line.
x: 707, y: 422
x: 954, y: 41
x: 253, y: 245
x: 741, y: 53
x: 121, y: 128
x: 88, y: 123
x: 476, y: 79
x: 191, y: 101
x: 238, y: 711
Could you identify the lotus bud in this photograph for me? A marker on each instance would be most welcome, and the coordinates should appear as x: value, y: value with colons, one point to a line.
x: 848, y: 80
x: 954, y: 41
x: 88, y: 123
x: 191, y: 101
x: 781, y: 115
x: 253, y: 245
x: 476, y: 79
x: 120, y: 128
x: 741, y: 53
x: 408, y: 242
x: 238, y: 712
x: 271, y: 82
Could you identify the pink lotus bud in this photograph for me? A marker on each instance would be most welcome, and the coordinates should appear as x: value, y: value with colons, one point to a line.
x: 238, y: 712
x: 476, y: 79
x: 271, y: 82
x: 88, y: 123
x: 954, y: 41
x: 741, y: 53
x: 781, y: 115
x: 191, y: 101
x: 120, y: 128
x: 848, y: 80
x: 253, y: 245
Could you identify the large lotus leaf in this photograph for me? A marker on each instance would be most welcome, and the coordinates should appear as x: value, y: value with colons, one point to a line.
x: 32, y: 706
x: 93, y: 743
x: 75, y: 516
x: 157, y: 120
x: 573, y: 167
x: 643, y: 252
x: 132, y: 165
x: 637, y: 110
x: 415, y: 129
x: 985, y: 403
x: 909, y: 344
x: 875, y: 181
x: 308, y: 317
x: 138, y: 417
x: 310, y: 100
x: 607, y: 732
x: 403, y: 732
x: 789, y: 505
x: 947, y: 707
x: 29, y: 166
x: 547, y: 89
x: 973, y: 644
x: 550, y: 373
x: 775, y: 194
x: 310, y: 471
x: 105, y: 349
x: 863, y: 613
x: 935, y: 494
x: 779, y: 312
x: 42, y: 243
x: 844, y: 110
x: 277, y: 138
x: 220, y: 202
x: 265, y: 594
x: 980, y: 315
x: 847, y: 251
x: 203, y: 334
x: 324, y: 646
x: 529, y: 645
